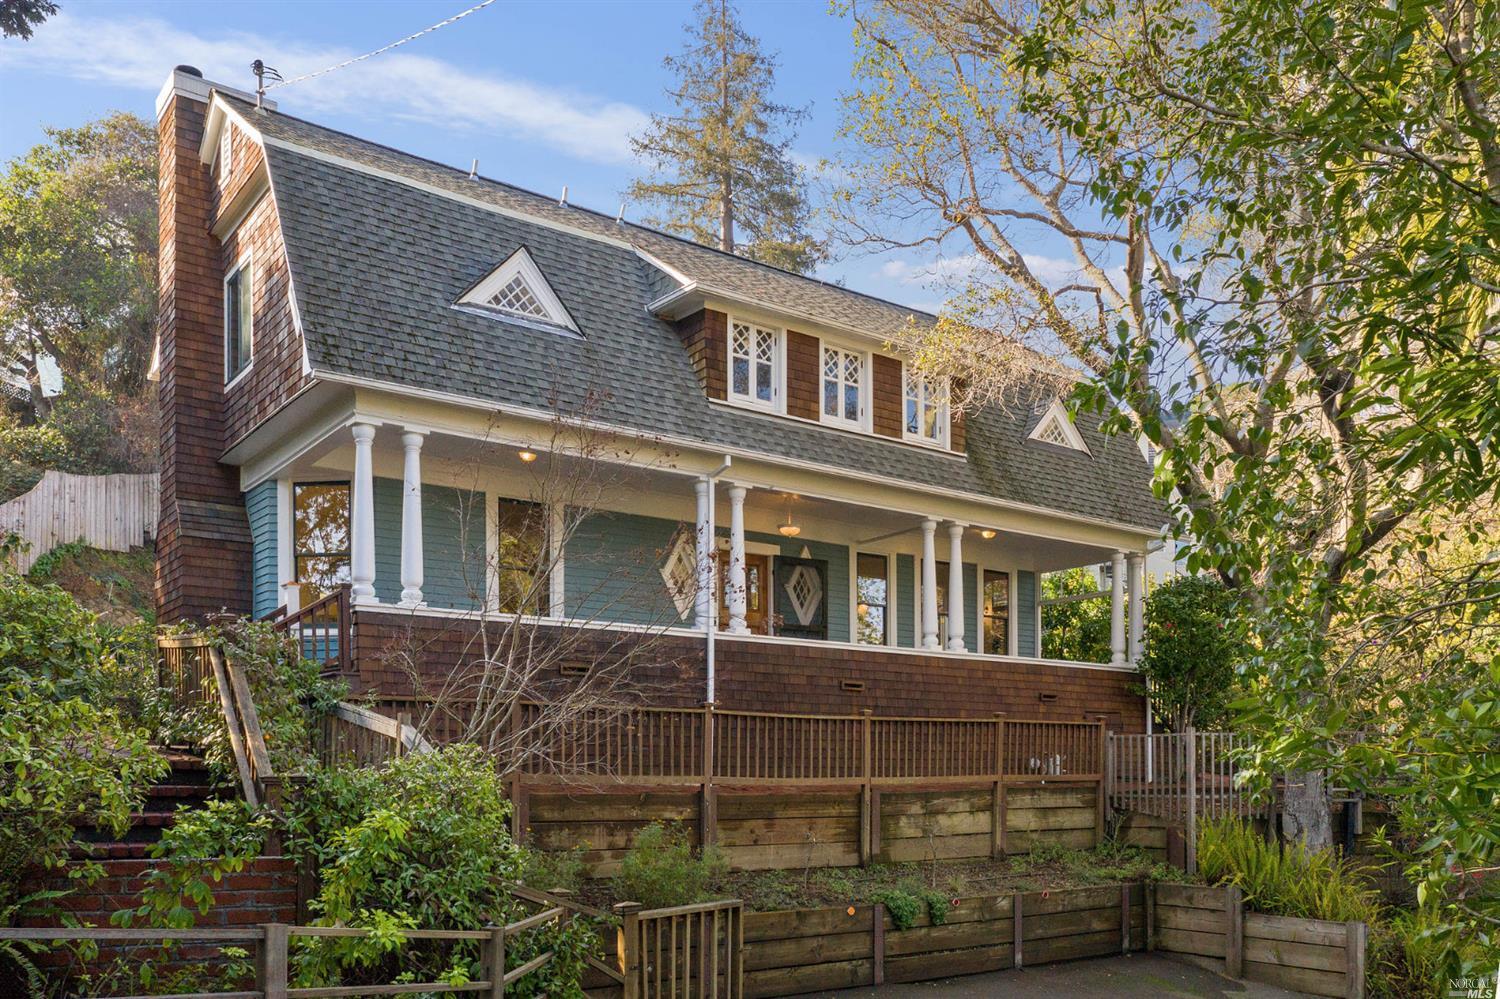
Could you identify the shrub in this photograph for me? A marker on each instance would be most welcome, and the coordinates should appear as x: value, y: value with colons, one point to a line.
x: 66, y: 754
x: 662, y: 868
x: 1283, y: 880
x: 907, y: 902
x: 1193, y: 644
x: 549, y: 869
x: 424, y: 841
x: 1078, y: 630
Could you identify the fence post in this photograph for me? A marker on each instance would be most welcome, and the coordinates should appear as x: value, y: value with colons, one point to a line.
x: 1100, y: 800
x: 1125, y: 919
x: 1190, y: 848
x: 1234, y: 932
x: 403, y: 722
x: 495, y: 959
x: 877, y: 943
x: 867, y: 816
x: 1355, y: 939
x: 708, y: 800
x: 629, y: 947
x: 519, y: 812
x: 271, y: 969
x: 1149, y: 890
x: 997, y: 803
x: 1016, y: 906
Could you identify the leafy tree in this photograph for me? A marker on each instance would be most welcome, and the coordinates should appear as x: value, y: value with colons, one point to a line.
x: 1281, y: 228
x: 78, y: 258
x: 720, y: 162
x: 18, y: 18
x: 1076, y: 629
x: 1192, y: 648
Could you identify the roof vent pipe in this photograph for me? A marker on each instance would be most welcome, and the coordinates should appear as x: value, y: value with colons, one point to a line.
x: 563, y: 201
x: 620, y: 218
x: 474, y: 170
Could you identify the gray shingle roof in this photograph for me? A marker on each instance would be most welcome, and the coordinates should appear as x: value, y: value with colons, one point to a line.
x: 378, y: 263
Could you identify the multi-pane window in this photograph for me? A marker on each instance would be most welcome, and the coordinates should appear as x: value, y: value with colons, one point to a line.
x: 237, y: 322
x: 754, y: 363
x: 996, y: 612
x: 942, y: 603
x: 521, y: 558
x: 843, y: 385
x: 872, y: 590
x: 926, y: 408
x: 516, y: 297
x: 320, y: 536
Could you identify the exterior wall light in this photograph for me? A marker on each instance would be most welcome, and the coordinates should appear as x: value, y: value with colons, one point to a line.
x: 526, y: 456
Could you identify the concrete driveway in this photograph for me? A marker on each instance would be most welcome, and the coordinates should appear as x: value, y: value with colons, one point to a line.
x: 1130, y: 975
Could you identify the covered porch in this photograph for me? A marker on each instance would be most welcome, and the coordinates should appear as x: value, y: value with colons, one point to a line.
x: 776, y: 588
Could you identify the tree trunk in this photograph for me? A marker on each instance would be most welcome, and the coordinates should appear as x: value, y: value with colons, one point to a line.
x: 1306, y: 814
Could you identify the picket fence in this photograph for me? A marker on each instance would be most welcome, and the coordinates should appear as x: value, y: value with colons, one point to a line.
x: 113, y: 512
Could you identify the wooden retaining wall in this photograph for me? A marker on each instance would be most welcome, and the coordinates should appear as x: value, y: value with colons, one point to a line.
x: 812, y: 950
x: 1211, y: 927
x: 820, y: 828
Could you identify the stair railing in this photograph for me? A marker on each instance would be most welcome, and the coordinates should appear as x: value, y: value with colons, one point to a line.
x: 321, y: 630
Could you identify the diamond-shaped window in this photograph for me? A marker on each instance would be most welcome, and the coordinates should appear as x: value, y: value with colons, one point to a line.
x: 517, y: 288
x: 806, y: 591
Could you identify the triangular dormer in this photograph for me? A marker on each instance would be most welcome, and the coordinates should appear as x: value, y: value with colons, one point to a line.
x: 517, y: 288
x: 1055, y: 427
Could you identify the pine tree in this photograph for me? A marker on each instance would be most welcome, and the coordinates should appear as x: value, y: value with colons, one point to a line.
x: 720, y: 171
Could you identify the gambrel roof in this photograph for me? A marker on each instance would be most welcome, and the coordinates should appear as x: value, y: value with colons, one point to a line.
x: 381, y: 245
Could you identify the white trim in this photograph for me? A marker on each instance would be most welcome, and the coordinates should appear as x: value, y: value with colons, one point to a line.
x: 518, y: 264
x: 243, y: 264
x: 724, y: 636
x: 777, y: 404
x: 721, y: 543
x: 763, y: 413
x: 557, y: 591
x: 1057, y: 415
x: 892, y: 594
x: 286, y: 572
x: 492, y: 408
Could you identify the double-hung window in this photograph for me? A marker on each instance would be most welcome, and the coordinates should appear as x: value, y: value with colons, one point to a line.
x: 843, y: 386
x: 522, y: 562
x: 320, y: 537
x: 996, y: 612
x: 754, y: 364
x: 238, y: 319
x: 926, y: 409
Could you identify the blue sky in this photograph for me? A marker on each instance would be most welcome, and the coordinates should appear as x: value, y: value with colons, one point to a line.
x: 543, y: 94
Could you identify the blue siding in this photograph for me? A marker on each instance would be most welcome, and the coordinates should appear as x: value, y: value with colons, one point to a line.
x: 1026, y: 597
x: 452, y: 545
x: 260, y: 505
x: 612, y: 570
x: 906, y: 597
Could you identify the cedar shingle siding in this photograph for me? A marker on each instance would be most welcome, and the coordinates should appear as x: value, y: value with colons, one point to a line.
x: 802, y: 375
x: 703, y: 336
x: 886, y: 395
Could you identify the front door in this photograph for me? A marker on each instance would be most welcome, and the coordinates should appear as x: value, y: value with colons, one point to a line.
x: 757, y: 594
x: 801, y: 592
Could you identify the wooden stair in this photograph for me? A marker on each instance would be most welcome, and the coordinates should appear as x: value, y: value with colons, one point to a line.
x: 189, y: 785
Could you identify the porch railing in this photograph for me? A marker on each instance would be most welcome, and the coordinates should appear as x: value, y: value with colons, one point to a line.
x: 353, y: 735
x: 698, y: 745
x: 322, y: 630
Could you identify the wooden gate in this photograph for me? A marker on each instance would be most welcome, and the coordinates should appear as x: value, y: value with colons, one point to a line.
x: 683, y: 951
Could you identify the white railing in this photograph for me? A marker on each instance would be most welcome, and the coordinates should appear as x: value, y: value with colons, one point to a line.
x: 113, y: 512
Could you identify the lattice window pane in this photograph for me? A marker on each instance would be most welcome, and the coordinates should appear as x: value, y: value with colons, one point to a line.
x: 1053, y: 433
x: 741, y: 343
x: 830, y: 363
x: 517, y: 297
x: 765, y: 346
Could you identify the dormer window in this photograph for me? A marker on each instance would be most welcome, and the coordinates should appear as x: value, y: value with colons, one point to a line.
x: 926, y: 409
x: 1057, y: 429
x: 754, y: 364
x: 239, y: 321
x: 517, y: 288
x: 843, y: 386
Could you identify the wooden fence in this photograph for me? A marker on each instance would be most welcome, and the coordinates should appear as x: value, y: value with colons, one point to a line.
x: 113, y: 512
x: 686, y: 950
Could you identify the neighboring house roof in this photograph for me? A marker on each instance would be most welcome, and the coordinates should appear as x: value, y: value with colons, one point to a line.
x: 378, y: 261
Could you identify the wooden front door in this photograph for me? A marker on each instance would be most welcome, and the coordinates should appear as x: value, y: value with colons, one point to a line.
x: 757, y: 593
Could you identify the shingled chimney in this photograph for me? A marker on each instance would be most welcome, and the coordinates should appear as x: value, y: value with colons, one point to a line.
x: 203, y: 536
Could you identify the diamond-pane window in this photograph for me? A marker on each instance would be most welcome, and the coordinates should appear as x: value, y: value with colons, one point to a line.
x: 1056, y: 428
x: 679, y: 573
x: 516, y: 297
x: 806, y: 591
x: 843, y: 385
x: 926, y: 408
x: 754, y: 363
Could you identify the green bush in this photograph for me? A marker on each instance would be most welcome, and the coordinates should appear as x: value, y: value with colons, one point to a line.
x: 1285, y: 880
x: 906, y: 903
x: 549, y: 869
x: 1078, y: 630
x: 67, y: 755
x: 663, y: 868
x: 422, y: 842
x: 1193, y: 645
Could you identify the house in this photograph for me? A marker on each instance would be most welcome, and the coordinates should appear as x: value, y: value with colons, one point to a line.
x: 469, y: 403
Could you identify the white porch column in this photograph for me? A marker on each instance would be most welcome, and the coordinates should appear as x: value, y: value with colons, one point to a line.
x: 929, y: 585
x: 703, y: 578
x: 1137, y: 562
x: 362, y: 517
x: 736, y: 584
x: 1117, y: 609
x: 955, y: 587
x: 411, y: 519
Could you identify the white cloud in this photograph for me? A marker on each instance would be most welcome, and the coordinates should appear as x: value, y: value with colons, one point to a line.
x: 1053, y: 272
x: 138, y: 52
